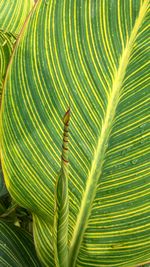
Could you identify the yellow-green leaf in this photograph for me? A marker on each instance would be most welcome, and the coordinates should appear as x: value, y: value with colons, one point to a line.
x: 7, y: 41
x: 13, y: 14
x: 91, y: 55
x: 12, y: 17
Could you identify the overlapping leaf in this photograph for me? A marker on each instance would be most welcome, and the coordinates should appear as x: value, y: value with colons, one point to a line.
x: 3, y: 190
x: 16, y: 247
x: 12, y: 17
x: 13, y: 14
x: 95, y: 54
x: 7, y: 41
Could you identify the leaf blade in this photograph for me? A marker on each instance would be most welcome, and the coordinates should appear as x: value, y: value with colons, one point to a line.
x: 17, y: 247
x: 13, y: 15
x: 72, y: 60
x: 61, y: 211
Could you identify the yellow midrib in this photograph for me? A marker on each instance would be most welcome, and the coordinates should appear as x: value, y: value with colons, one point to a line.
x: 103, y: 139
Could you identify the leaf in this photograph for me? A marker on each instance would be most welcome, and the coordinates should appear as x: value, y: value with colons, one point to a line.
x: 61, y: 208
x: 13, y: 14
x: 16, y: 246
x: 7, y: 41
x: 95, y: 54
x: 145, y: 265
x: 3, y: 189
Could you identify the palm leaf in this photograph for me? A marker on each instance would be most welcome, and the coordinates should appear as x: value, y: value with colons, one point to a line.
x: 91, y: 55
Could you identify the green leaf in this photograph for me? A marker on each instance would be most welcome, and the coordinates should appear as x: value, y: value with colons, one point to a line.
x: 16, y: 247
x: 13, y: 14
x: 7, y: 41
x: 92, y: 56
x: 3, y: 189
x: 145, y: 265
x: 61, y: 203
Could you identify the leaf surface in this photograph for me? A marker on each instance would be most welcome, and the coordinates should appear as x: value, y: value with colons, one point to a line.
x: 16, y: 247
x: 92, y: 56
x: 13, y: 14
x: 7, y: 41
x: 12, y: 17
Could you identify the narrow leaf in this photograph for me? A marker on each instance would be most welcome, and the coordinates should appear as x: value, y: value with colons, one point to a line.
x: 61, y: 203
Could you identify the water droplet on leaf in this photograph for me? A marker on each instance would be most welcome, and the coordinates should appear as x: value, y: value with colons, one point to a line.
x: 143, y: 125
x: 134, y: 161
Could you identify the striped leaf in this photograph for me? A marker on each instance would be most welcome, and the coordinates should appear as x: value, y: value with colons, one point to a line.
x: 13, y: 14
x: 92, y: 56
x: 12, y: 17
x: 3, y: 189
x: 7, y: 41
x: 16, y: 247
x: 61, y: 203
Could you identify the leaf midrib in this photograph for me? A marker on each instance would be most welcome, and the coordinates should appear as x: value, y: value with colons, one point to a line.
x: 99, y: 154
